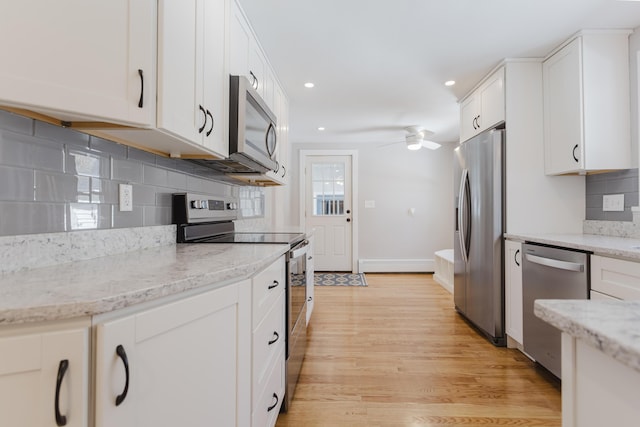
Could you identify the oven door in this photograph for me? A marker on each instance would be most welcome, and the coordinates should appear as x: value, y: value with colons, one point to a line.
x: 297, y: 282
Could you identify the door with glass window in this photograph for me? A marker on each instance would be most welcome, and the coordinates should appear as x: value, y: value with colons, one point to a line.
x: 328, y: 211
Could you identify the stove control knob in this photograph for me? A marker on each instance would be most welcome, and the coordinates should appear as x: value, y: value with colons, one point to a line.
x: 195, y: 204
x: 204, y: 204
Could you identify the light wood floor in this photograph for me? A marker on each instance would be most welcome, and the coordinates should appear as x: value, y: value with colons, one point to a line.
x: 397, y: 354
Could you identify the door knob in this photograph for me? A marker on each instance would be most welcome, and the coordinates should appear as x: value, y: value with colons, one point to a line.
x: 348, y: 211
x: 348, y: 219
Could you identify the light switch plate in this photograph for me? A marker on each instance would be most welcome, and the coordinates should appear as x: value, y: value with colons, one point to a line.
x: 369, y: 204
x: 613, y: 202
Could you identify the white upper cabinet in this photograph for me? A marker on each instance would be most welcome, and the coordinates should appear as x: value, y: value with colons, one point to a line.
x: 484, y: 107
x: 193, y: 86
x: 586, y: 104
x: 80, y: 60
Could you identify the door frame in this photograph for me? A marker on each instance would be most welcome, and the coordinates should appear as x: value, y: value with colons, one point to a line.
x: 354, y: 194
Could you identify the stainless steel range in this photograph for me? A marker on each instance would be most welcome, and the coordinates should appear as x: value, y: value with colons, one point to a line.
x: 206, y: 219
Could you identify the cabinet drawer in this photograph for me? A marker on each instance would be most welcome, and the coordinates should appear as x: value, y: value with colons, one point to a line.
x: 268, y: 285
x: 268, y: 342
x: 267, y: 406
x: 615, y: 277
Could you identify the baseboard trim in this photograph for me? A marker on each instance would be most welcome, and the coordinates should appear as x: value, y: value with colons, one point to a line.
x: 396, y: 266
x: 443, y: 283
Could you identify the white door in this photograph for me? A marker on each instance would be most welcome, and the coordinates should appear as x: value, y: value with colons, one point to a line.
x: 328, y: 211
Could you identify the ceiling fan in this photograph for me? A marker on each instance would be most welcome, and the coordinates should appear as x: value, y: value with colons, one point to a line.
x: 415, y: 139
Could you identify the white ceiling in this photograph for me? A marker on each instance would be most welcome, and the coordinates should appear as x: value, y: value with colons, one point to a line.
x: 380, y: 65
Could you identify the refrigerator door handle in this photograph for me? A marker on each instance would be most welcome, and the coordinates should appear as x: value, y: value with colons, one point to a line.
x: 462, y: 207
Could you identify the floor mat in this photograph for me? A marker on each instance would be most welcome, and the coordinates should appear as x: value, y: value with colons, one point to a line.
x: 339, y: 279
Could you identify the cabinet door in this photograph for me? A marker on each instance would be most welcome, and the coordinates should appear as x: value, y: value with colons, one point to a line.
x: 310, y: 281
x: 216, y: 76
x: 491, y: 95
x: 469, y: 112
x: 180, y: 109
x: 239, y: 40
x: 513, y: 289
x: 75, y: 59
x: 182, y: 364
x: 563, y: 126
x: 29, y: 369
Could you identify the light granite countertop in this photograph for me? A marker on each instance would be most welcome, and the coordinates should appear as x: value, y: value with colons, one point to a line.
x: 619, y: 247
x: 107, y: 283
x: 612, y: 327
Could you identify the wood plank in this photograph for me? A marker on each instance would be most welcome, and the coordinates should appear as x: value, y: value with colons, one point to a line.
x: 396, y: 353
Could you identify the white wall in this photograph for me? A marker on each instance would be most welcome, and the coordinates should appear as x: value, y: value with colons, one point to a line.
x: 390, y: 237
x: 634, y: 70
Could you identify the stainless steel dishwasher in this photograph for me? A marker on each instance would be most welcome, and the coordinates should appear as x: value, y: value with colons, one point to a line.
x: 549, y: 273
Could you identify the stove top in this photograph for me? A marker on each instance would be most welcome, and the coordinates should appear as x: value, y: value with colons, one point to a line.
x: 253, y: 237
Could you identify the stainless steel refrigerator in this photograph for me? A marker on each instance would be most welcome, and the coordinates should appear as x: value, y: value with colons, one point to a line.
x: 479, y: 208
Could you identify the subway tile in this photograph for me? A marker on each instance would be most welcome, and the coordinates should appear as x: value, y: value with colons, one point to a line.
x: 595, y: 214
x: 28, y: 151
x: 144, y: 195
x: 176, y: 181
x: 167, y: 162
x: 83, y: 216
x: 141, y: 156
x: 154, y: 176
x: 30, y: 218
x: 16, y: 123
x: 594, y: 201
x: 60, y: 134
x: 17, y: 184
x: 631, y: 199
x: 127, y: 170
x: 104, y: 191
x: 624, y: 185
x: 154, y: 215
x: 58, y: 187
x: 84, y: 162
x: 596, y: 187
x: 164, y: 199
x: 128, y: 219
x: 108, y: 147
x: 105, y: 216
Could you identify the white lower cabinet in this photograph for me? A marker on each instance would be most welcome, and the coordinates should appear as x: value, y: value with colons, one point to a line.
x: 44, y: 377
x: 172, y: 365
x: 269, y: 344
x: 616, y: 278
x: 597, y: 390
x: 310, y: 280
x: 513, y: 289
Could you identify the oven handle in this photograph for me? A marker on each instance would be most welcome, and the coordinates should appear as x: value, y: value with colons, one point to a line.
x: 299, y: 250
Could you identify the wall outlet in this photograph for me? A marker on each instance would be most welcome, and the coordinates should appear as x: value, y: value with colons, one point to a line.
x: 126, y: 197
x: 613, y: 202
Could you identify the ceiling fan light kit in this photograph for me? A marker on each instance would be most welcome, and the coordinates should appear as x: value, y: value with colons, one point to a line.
x: 415, y: 138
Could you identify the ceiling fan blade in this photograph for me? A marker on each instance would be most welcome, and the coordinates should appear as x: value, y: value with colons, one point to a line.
x: 430, y: 144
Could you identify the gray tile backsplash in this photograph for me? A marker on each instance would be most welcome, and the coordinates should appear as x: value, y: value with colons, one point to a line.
x: 617, y: 182
x: 54, y: 179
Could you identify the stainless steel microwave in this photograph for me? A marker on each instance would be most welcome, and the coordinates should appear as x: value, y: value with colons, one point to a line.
x: 252, y: 128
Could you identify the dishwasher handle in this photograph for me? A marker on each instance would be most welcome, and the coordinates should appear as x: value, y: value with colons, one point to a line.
x: 555, y: 263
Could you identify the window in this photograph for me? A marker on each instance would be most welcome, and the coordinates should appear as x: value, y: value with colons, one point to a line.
x: 328, y: 188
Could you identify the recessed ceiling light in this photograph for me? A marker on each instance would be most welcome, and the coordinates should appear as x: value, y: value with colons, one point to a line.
x: 320, y: 128
x: 309, y: 85
x: 449, y: 82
